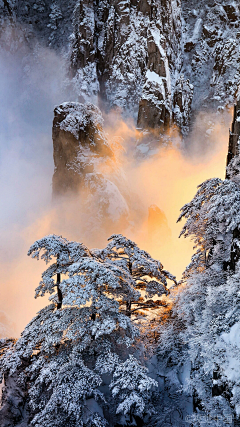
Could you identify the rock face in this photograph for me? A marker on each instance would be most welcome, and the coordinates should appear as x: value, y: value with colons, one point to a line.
x: 50, y: 22
x: 128, y: 52
x: 122, y: 54
x: 211, y: 38
x: 234, y: 135
x: 85, y: 164
x: 233, y: 158
x: 154, y: 112
x: 132, y: 54
x: 182, y: 101
x: 79, y: 143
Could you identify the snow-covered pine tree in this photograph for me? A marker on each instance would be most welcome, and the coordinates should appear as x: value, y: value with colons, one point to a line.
x: 131, y: 387
x: 206, y: 317
x: 147, y: 274
x: 65, y: 349
x: 55, y: 19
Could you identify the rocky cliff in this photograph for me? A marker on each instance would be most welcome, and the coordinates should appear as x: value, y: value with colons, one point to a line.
x: 79, y: 145
x: 128, y: 53
x: 211, y: 40
x: 85, y: 163
x: 119, y: 54
x: 150, y: 59
x: 234, y: 135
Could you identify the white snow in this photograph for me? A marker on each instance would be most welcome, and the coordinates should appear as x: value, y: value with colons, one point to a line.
x: 197, y: 29
x: 156, y: 35
x: 153, y: 77
x: 157, y: 38
x: 233, y: 337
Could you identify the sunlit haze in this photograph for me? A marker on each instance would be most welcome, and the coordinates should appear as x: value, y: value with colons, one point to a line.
x: 167, y: 178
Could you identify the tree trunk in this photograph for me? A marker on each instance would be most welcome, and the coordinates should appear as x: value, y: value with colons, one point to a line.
x: 59, y: 292
x: 129, y: 303
x: 128, y: 308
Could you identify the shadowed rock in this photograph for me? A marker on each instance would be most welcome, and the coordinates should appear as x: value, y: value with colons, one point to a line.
x: 86, y: 170
x: 116, y: 44
x: 153, y: 113
x: 79, y: 143
x: 234, y: 135
x: 182, y: 102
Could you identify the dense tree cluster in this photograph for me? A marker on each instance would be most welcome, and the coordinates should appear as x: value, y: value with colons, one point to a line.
x: 205, y: 326
x: 88, y: 358
x: 88, y: 331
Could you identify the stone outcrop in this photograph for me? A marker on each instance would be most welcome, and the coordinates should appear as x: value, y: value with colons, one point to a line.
x: 159, y: 108
x: 182, y: 101
x: 127, y: 51
x: 79, y: 143
x: 234, y: 135
x: 154, y: 109
x: 233, y: 158
x: 211, y: 39
x: 131, y: 54
x: 85, y: 164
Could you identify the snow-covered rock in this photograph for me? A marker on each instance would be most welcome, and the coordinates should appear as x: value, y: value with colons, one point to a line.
x: 79, y: 142
x: 110, y: 47
x: 182, y: 102
x: 211, y: 51
x: 233, y: 147
x: 84, y: 161
x: 131, y: 54
x: 126, y: 43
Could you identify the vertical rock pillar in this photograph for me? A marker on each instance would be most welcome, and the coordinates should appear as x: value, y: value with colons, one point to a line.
x: 234, y: 135
x: 79, y: 143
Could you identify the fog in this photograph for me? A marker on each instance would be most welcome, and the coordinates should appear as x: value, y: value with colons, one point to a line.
x: 168, y: 178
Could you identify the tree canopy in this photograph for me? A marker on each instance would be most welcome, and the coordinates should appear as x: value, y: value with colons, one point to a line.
x: 87, y: 331
x: 205, y: 322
